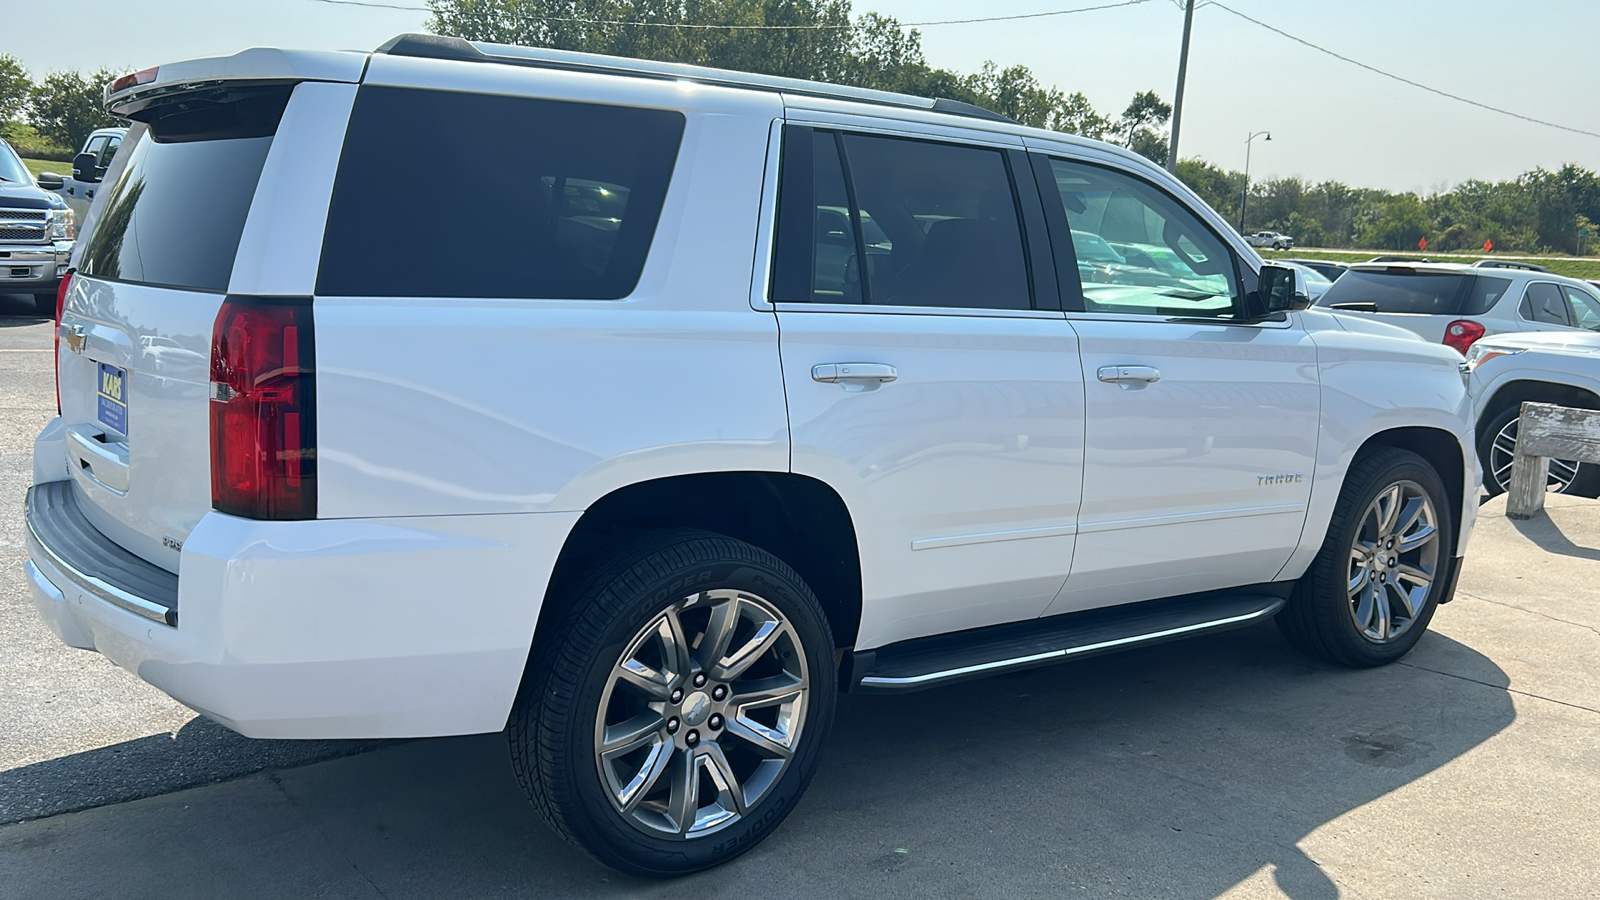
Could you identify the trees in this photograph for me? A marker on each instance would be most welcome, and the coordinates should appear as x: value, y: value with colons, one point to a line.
x: 14, y: 88
x: 811, y: 39
x: 65, y: 106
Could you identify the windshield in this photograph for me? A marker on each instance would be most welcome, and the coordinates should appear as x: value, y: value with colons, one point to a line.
x: 11, y: 168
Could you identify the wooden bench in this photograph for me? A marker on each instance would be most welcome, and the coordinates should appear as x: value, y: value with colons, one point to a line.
x: 1545, y: 432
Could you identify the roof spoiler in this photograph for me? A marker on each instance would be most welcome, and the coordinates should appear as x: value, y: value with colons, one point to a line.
x: 128, y: 95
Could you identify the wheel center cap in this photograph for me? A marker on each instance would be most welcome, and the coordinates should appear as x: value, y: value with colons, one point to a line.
x: 696, y: 707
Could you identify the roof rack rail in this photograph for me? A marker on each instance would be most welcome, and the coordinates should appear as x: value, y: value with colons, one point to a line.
x: 434, y: 46
x: 1509, y: 264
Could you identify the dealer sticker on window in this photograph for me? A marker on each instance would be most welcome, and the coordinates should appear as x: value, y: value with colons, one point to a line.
x: 113, y: 409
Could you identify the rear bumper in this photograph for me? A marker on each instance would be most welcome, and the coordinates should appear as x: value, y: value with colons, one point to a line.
x: 334, y: 628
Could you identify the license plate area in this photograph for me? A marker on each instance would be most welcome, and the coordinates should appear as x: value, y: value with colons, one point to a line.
x: 111, y: 401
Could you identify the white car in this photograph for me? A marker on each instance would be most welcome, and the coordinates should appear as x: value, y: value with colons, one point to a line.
x: 1458, y: 304
x: 1276, y: 240
x: 1560, y: 367
x: 654, y: 477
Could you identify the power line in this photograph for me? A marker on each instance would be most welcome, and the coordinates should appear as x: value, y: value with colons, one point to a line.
x: 1400, y: 78
x: 824, y: 27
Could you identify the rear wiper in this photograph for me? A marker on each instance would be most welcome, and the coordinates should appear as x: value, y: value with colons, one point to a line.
x: 1366, y: 306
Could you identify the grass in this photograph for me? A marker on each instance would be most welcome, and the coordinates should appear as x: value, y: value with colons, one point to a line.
x: 48, y: 165
x: 1561, y: 265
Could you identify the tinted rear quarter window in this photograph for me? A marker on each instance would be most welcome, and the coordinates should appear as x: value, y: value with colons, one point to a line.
x: 444, y: 194
x: 1485, y: 293
x: 175, y: 216
x: 1434, y: 294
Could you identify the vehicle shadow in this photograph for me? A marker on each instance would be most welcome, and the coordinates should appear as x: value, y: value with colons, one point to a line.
x: 1176, y: 771
x: 1547, y: 536
x: 18, y: 309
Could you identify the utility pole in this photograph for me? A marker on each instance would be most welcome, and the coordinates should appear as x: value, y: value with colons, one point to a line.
x: 1177, y: 99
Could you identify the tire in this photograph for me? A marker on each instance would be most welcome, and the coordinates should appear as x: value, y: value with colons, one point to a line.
x: 576, y: 691
x: 1322, y: 615
x: 1566, y: 477
x: 45, y: 304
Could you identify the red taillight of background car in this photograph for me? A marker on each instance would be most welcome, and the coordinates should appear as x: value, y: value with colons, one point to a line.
x: 1462, y: 334
x: 61, y: 303
x: 263, y: 409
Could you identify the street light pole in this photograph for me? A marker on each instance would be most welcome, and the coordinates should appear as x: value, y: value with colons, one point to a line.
x: 1177, y: 99
x: 1244, y: 196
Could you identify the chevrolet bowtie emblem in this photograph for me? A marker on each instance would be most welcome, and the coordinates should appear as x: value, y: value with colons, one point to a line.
x: 76, y: 337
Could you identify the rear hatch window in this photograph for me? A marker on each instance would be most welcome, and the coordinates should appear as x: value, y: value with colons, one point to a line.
x: 547, y: 199
x: 175, y: 216
x: 1404, y: 290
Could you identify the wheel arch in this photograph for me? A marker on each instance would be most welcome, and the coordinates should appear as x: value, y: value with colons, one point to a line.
x: 1442, y: 450
x: 1519, y: 390
x: 798, y: 519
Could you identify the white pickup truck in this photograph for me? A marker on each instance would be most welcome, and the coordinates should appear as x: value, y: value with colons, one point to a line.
x: 88, y: 169
x: 1277, y: 240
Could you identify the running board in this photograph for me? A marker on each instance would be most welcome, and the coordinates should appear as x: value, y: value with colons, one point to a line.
x: 942, y: 659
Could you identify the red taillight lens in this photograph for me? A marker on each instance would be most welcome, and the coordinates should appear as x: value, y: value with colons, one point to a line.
x: 263, y: 409
x: 61, y: 303
x: 1461, y: 334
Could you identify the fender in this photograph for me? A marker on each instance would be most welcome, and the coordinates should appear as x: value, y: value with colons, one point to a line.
x: 1377, y: 378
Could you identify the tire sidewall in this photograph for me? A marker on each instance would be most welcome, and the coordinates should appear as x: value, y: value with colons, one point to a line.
x: 599, y: 825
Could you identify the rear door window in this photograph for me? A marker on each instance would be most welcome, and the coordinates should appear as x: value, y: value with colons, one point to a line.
x: 569, y: 197
x: 1401, y: 291
x: 175, y: 216
x: 1544, y: 304
x: 938, y: 224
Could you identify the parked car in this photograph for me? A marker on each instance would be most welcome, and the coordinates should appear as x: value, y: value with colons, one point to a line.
x: 1275, y: 239
x: 1327, y: 268
x: 1315, y: 284
x: 37, y: 231
x: 88, y: 169
x: 1458, y: 304
x: 1560, y: 367
x: 647, y: 504
x: 1509, y: 264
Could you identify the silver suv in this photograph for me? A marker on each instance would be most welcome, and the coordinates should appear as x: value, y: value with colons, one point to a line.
x: 1456, y: 304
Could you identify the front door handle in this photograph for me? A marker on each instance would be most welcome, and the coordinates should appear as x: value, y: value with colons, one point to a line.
x: 855, y: 376
x: 1129, y: 376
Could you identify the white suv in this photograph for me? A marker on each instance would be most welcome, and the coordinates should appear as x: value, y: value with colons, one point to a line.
x: 1457, y: 304
x: 687, y: 448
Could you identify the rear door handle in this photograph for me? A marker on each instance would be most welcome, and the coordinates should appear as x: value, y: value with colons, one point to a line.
x: 1129, y: 376
x: 855, y: 376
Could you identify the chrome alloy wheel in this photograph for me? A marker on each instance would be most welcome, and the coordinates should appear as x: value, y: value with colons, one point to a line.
x: 1393, y: 561
x: 1504, y: 450
x: 702, y: 714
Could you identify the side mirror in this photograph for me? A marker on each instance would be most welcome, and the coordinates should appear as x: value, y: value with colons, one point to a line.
x: 83, y: 167
x: 50, y: 181
x: 1282, y: 289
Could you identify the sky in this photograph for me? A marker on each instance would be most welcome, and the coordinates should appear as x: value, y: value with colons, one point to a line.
x: 1329, y: 119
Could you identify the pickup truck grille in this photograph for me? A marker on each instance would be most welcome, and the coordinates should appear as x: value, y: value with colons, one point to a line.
x: 10, y: 232
x: 37, y: 215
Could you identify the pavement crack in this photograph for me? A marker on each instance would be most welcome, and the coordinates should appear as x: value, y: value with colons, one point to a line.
x: 1501, y: 687
x: 1532, y: 611
x: 278, y: 783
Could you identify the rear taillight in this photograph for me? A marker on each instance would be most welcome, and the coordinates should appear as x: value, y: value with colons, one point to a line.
x: 263, y: 409
x: 61, y: 303
x: 1461, y: 334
